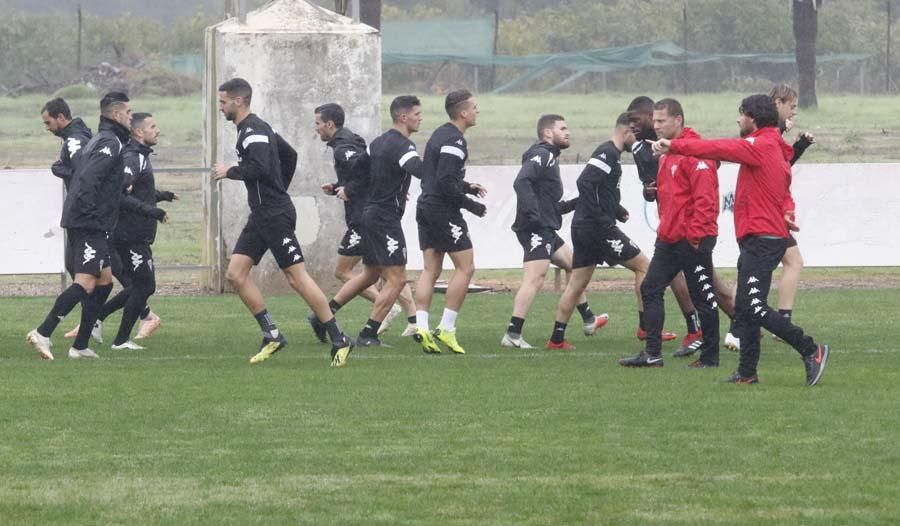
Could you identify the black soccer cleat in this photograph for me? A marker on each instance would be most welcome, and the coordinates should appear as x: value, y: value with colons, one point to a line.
x: 736, y: 378
x: 642, y: 360
x: 268, y: 347
x: 815, y: 364
x: 700, y: 364
x: 318, y: 328
x: 368, y: 341
x: 340, y: 351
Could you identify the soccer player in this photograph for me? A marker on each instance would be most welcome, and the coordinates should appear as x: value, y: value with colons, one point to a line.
x: 134, y: 234
x: 348, y: 147
x: 390, y: 161
x: 539, y: 211
x: 75, y: 135
x: 442, y: 229
x: 762, y: 232
x: 270, y: 226
x: 687, y: 194
x: 595, y: 236
x: 90, y: 212
x: 640, y: 110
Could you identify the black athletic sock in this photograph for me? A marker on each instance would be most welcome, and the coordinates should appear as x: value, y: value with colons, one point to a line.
x: 335, y: 306
x: 111, y: 306
x: 64, y: 304
x: 515, y: 326
x: 266, y: 323
x: 146, y: 312
x: 90, y: 308
x: 334, y: 330
x: 371, y: 329
x: 132, y: 311
x: 693, y: 321
x: 411, y: 319
x: 641, y: 320
x: 586, y: 313
x: 559, y: 332
x: 786, y: 313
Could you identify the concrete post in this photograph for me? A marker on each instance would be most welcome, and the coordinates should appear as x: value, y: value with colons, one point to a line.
x: 296, y: 56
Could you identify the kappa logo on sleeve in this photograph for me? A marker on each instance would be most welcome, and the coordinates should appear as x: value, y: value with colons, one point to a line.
x: 702, y: 166
x: 73, y: 145
x: 348, y: 154
x: 107, y: 151
x: 536, y: 158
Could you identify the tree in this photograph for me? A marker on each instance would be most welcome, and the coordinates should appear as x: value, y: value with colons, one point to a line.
x: 806, y: 28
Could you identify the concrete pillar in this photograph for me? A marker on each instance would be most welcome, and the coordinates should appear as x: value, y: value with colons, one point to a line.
x: 296, y: 56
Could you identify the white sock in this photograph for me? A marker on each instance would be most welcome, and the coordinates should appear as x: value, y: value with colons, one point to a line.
x: 422, y: 319
x: 448, y: 321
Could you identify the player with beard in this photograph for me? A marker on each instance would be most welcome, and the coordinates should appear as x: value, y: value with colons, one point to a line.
x: 347, y: 148
x: 763, y: 186
x: 90, y: 212
x: 270, y: 226
x: 539, y: 211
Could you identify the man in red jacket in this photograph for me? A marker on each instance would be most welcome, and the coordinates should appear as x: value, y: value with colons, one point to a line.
x: 762, y: 232
x: 687, y: 192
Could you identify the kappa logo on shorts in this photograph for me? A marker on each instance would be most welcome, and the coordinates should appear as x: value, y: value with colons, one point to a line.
x: 710, y: 296
x: 702, y: 278
x: 89, y: 254
x: 755, y: 301
x: 296, y: 258
x: 456, y: 231
x: 536, y: 241
x: 292, y: 249
x: 752, y: 280
x: 286, y: 241
x: 616, y: 245
x: 136, y: 259
x: 707, y: 286
x: 354, y: 239
x: 699, y: 268
x: 753, y: 291
x: 392, y: 245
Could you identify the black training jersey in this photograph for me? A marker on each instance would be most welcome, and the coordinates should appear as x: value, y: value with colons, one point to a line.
x: 538, y: 189
x: 259, y: 166
x: 390, y: 160
x: 138, y: 215
x: 95, y: 190
x: 598, y: 204
x: 75, y: 136
x: 443, y: 180
x: 348, y: 149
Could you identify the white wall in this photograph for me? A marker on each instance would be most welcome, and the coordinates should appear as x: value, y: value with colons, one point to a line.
x: 32, y: 240
x: 849, y: 215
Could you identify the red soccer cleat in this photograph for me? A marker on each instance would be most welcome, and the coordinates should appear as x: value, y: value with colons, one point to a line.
x: 562, y: 346
x: 666, y: 335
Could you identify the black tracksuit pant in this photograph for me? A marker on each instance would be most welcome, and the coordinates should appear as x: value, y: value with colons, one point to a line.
x: 668, y: 260
x: 759, y: 258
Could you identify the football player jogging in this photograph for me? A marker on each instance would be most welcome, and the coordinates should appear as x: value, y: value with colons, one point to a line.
x: 270, y: 226
x: 539, y: 211
x: 595, y: 237
x: 347, y: 148
x: 75, y: 135
x: 390, y: 161
x: 90, y: 212
x: 134, y: 234
x: 763, y: 185
x: 687, y: 194
x: 442, y: 229
x: 640, y: 110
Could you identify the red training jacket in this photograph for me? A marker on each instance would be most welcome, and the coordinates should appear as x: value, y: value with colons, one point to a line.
x: 764, y: 178
x: 687, y: 194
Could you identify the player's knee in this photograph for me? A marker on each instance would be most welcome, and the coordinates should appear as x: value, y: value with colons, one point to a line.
x: 236, y: 278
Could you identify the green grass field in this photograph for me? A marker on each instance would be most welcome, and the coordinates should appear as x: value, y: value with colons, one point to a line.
x: 188, y: 433
x: 850, y: 128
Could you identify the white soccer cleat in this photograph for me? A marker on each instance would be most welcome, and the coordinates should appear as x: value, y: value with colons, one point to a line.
x: 72, y: 333
x: 128, y: 346
x: 41, y: 344
x: 83, y: 353
x: 97, y: 331
x: 732, y: 343
x: 410, y: 330
x: 516, y: 343
x: 148, y: 326
x: 598, y: 322
x: 393, y: 313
